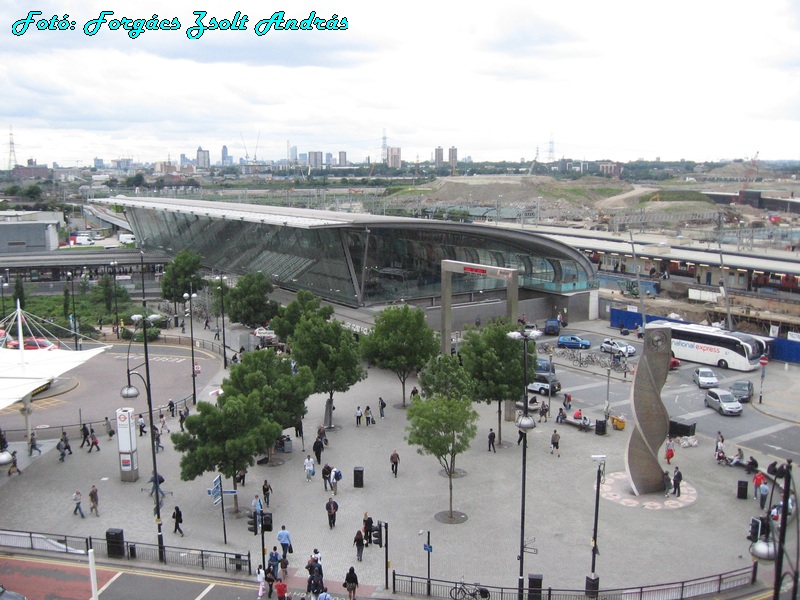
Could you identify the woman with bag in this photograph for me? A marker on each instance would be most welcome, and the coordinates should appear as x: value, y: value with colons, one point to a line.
x: 358, y: 542
x: 670, y: 450
x: 351, y: 583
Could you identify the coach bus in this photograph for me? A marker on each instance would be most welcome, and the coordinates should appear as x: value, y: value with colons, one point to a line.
x: 713, y: 346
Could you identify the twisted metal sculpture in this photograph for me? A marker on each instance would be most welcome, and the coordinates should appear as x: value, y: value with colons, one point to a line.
x: 650, y: 417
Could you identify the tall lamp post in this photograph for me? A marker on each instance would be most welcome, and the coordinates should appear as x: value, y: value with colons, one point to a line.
x: 116, y: 312
x: 593, y: 581
x: 524, y: 423
x: 222, y: 279
x: 71, y: 276
x: 189, y: 297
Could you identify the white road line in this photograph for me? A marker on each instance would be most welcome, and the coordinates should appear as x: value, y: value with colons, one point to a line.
x: 700, y: 413
x: 205, y: 591
x: 761, y: 432
x: 109, y: 582
x: 586, y: 386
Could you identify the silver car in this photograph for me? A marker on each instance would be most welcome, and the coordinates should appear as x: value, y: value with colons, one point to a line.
x: 705, y: 378
x: 723, y: 402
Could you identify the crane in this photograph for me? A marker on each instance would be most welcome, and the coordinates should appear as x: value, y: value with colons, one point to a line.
x: 246, y: 154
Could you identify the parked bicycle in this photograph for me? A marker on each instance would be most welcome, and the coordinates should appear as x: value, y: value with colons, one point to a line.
x: 461, y: 591
x: 546, y: 349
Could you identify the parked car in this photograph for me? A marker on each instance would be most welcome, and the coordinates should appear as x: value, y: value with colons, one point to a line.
x: 742, y: 390
x: 705, y: 378
x: 543, y: 383
x: 543, y: 365
x: 674, y: 363
x: 573, y: 341
x: 9, y: 595
x: 32, y: 343
x: 617, y: 347
x: 552, y: 327
x: 722, y: 401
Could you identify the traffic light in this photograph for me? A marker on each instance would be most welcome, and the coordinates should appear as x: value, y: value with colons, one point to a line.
x: 377, y: 534
x: 759, y: 528
x: 266, y: 521
x: 252, y: 523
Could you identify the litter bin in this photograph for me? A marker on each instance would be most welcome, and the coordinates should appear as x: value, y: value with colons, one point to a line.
x: 592, y: 586
x: 132, y: 550
x: 115, y: 543
x: 534, y: 586
x: 600, y: 427
x: 677, y: 429
x: 358, y: 477
x: 741, y: 490
x: 287, y: 445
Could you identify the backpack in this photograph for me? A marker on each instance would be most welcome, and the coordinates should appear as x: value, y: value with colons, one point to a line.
x: 338, y: 476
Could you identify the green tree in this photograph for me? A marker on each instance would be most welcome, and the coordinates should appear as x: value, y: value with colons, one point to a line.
x: 34, y: 192
x: 401, y: 341
x: 106, y: 287
x: 182, y: 275
x: 135, y: 181
x: 248, y: 302
x: 493, y: 359
x: 66, y: 303
x: 445, y: 375
x: 19, y: 293
x: 332, y: 353
x: 443, y: 427
x: 305, y: 303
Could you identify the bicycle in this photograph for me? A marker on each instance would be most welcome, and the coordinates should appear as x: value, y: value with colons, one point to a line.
x: 545, y: 349
x: 461, y: 591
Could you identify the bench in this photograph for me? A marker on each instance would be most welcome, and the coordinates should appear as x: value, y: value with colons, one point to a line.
x: 579, y: 423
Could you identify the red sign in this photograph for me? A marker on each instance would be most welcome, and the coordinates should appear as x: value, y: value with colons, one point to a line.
x: 474, y: 271
x: 763, y: 360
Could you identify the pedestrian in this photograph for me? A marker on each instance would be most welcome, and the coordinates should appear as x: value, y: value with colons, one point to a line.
x: 543, y: 410
x: 368, y: 416
x: 261, y: 579
x: 676, y: 482
x: 394, y: 459
x: 324, y: 595
x: 359, y: 414
x: 719, y: 446
x: 163, y: 420
x: 336, y: 475
x: 318, y: 448
x: 33, y: 444
x: 326, y: 476
x: 351, y: 582
x: 561, y: 416
x: 216, y: 333
x: 142, y: 430
x: 491, y: 440
x: 206, y: 324
x: 331, y: 507
x: 109, y: 429
x: 241, y: 476
x: 157, y: 435
x: 758, y: 479
x: 554, y: 440
x: 763, y: 492
x: 280, y: 589
x: 61, y: 452
x: 266, y: 490
x: 258, y: 509
x: 95, y: 442
x: 308, y: 465
x: 667, y: 484
x: 177, y: 516
x: 367, y: 527
x: 285, y: 540
x: 94, y: 500
x: 181, y: 420
x: 14, y: 468
x: 183, y: 325
x: 171, y: 408
x: 381, y: 406
x: 414, y: 393
x: 298, y: 428
x: 156, y: 484
x: 520, y: 437
x: 76, y: 498
x: 270, y: 578
x: 274, y: 559
x: 358, y: 542
x: 65, y: 439
x: 670, y: 450
x: 284, y: 568
x: 85, y: 435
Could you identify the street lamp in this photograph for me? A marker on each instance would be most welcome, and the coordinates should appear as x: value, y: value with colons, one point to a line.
x: 524, y: 423
x: 222, y: 279
x: 593, y: 581
x: 116, y: 312
x: 607, y: 410
x: 191, y: 335
x: 71, y: 276
x: 550, y: 384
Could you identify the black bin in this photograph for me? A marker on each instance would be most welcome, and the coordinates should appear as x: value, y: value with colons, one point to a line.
x: 115, y: 543
x: 592, y: 586
x: 358, y: 477
x: 741, y: 490
x: 132, y: 550
x: 534, y: 586
x: 677, y: 429
x: 600, y: 427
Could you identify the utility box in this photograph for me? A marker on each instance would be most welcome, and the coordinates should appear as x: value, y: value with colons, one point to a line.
x: 115, y: 543
x: 535, y: 586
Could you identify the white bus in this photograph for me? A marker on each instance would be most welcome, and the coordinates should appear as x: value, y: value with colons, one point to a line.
x: 713, y: 346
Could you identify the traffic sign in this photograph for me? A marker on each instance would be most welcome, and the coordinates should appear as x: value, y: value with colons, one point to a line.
x: 427, y: 547
x: 763, y: 360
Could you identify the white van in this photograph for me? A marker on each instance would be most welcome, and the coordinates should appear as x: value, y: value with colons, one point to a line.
x: 127, y: 238
x: 84, y: 240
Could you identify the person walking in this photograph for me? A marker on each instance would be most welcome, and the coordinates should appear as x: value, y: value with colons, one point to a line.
x: 206, y: 324
x: 85, y: 435
x: 381, y: 406
x: 171, y: 408
x: 61, y: 452
x: 181, y: 420
x: 667, y: 484
x: 33, y: 444
x: 141, y: 423
x: 95, y: 442
x: 331, y: 507
x: 109, y: 429
x: 368, y: 416
x: 326, y: 476
x: 274, y: 559
x: 261, y: 579
x: 543, y: 411
x: 77, y: 499
x: 94, y: 500
x: 163, y: 420
x: 758, y: 479
x: 14, y: 468
x: 554, y: 442
x: 280, y: 588
x: 258, y: 509
x: 157, y: 435
x: 394, y: 460
x: 676, y: 482
x: 351, y: 582
x: 763, y: 492
x: 284, y: 569
x: 216, y: 333
x: 266, y: 490
x: 65, y: 439
x: 669, y: 451
x: 324, y: 595
x: 359, y: 414
x: 318, y: 448
x: 308, y: 466
x: 491, y: 440
x: 285, y: 540
x: 336, y: 475
x: 358, y: 542
x: 177, y: 517
x: 367, y: 521
x: 270, y: 578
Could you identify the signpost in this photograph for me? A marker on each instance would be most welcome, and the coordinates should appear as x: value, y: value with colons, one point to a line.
x: 763, y: 362
x: 218, y: 494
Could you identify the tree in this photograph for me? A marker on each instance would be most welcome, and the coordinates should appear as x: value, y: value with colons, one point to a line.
x: 332, y: 353
x: 443, y: 427
x: 401, y: 341
x: 493, y: 359
x: 19, y: 293
x: 66, y: 303
x: 248, y: 302
x: 182, y: 276
x: 445, y: 375
x: 305, y: 303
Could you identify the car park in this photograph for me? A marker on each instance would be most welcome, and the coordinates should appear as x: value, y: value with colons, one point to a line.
x: 742, y: 390
x: 705, y: 378
x: 722, y: 401
x: 544, y: 384
x: 617, y: 347
x: 573, y: 341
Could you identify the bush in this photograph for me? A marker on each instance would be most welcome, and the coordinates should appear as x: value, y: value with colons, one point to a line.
x: 153, y: 334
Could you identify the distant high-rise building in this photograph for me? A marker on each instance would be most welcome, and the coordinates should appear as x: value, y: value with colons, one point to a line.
x: 328, y: 158
x: 438, y: 157
x: 342, y: 159
x: 185, y: 162
x: 452, y: 156
x: 302, y: 158
x: 315, y: 159
x: 226, y: 160
x: 203, y: 158
x: 293, y: 154
x: 393, y: 159
x: 98, y: 163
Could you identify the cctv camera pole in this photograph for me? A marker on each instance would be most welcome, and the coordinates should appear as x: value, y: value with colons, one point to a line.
x: 787, y: 492
x: 593, y: 581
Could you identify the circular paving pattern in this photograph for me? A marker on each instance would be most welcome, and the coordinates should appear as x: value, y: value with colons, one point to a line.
x: 617, y: 488
x: 448, y: 518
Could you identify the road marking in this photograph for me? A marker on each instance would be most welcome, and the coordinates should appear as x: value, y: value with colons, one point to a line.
x: 700, y: 413
x: 586, y: 386
x: 205, y: 591
x: 109, y: 582
x: 761, y: 432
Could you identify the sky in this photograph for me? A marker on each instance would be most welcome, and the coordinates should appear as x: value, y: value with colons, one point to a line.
x: 586, y: 80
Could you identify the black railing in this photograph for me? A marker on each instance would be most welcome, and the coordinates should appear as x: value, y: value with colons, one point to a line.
x: 713, y: 584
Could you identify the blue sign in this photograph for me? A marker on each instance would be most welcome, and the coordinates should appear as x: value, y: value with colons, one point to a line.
x: 427, y: 547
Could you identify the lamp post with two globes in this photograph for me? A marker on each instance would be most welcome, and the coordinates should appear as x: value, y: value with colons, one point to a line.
x: 222, y: 282
x: 190, y: 297
x: 113, y: 265
x: 71, y: 276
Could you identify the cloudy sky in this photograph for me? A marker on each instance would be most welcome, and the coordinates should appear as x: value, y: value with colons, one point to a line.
x: 701, y: 80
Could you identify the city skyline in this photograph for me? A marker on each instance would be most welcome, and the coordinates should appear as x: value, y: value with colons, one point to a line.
x: 716, y: 80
